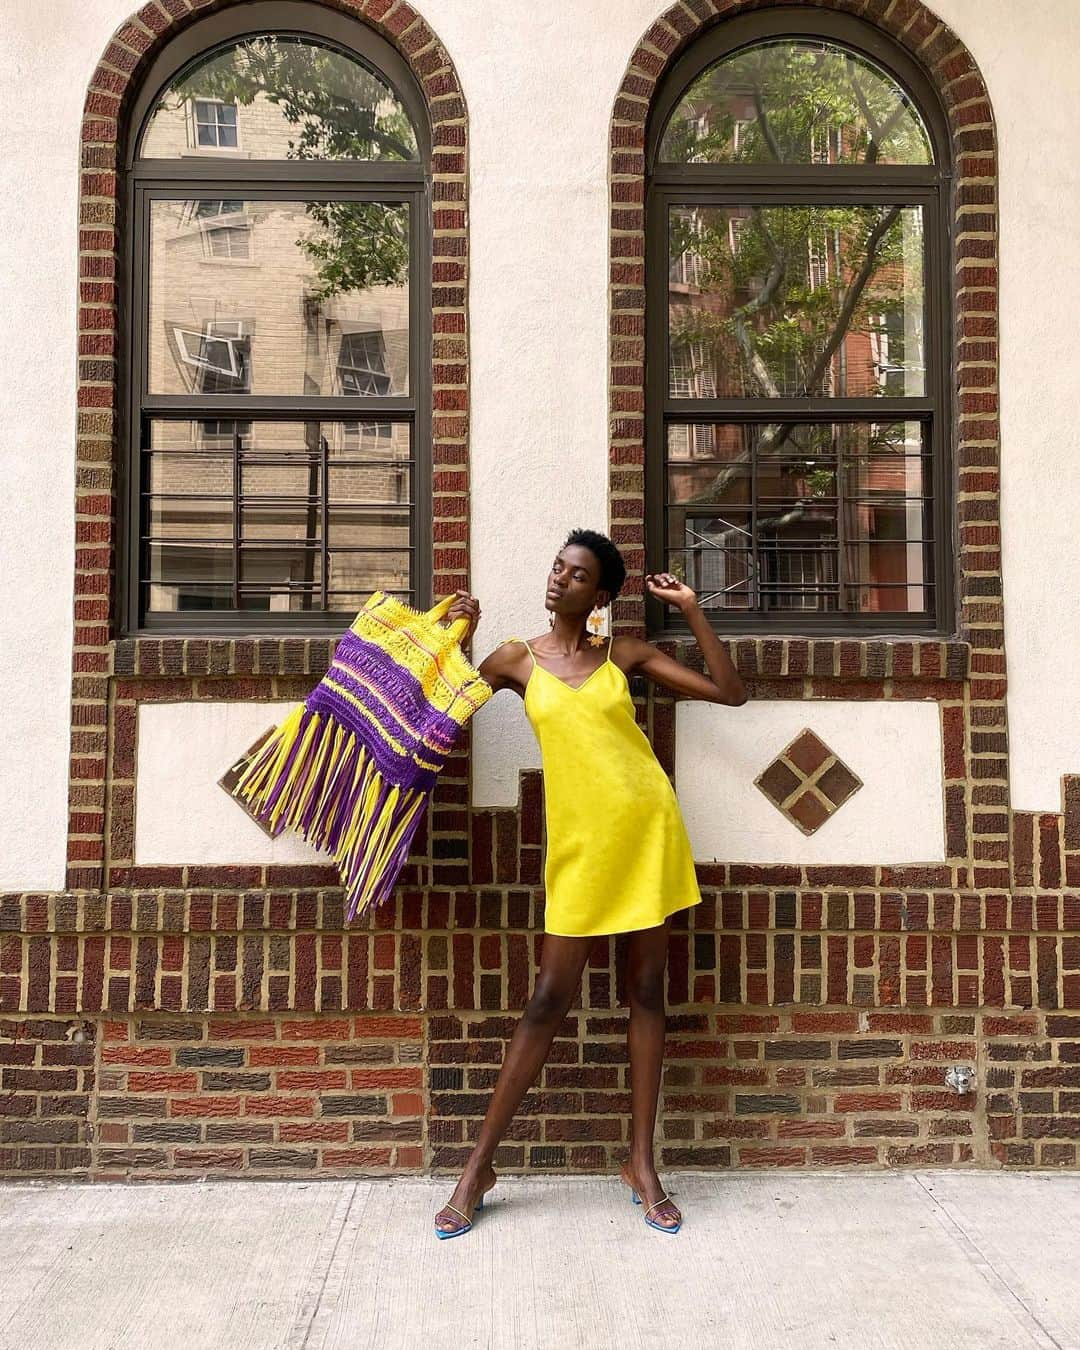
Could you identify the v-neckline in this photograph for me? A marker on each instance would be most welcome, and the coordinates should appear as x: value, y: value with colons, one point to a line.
x: 573, y: 688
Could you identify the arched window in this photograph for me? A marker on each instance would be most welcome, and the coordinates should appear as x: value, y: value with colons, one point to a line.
x: 798, y: 330
x: 277, y: 334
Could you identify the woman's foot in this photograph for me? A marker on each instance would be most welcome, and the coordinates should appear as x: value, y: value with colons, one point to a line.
x: 643, y: 1178
x: 470, y: 1188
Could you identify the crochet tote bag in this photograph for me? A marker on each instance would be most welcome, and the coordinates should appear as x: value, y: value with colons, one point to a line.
x: 352, y: 768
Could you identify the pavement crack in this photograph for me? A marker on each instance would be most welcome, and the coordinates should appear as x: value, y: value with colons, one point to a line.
x: 311, y: 1302
x: 998, y: 1275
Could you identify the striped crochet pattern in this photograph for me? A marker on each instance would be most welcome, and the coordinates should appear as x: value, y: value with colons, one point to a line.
x: 352, y: 768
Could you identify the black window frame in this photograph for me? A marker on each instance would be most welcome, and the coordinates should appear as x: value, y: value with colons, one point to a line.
x: 393, y: 182
x: 930, y: 187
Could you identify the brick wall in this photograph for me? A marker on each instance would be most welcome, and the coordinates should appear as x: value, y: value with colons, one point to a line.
x: 212, y: 1077
x: 170, y: 1020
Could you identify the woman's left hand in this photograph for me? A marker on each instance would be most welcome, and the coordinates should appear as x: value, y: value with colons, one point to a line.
x: 667, y: 587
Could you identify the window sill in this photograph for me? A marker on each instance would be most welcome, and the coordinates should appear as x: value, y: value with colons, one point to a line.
x: 179, y: 656
x: 944, y: 660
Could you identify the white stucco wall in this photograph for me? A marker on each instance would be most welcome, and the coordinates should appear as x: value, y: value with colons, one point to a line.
x: 539, y: 82
x: 41, y: 97
x: 1030, y: 56
x: 181, y: 814
x: 896, y: 816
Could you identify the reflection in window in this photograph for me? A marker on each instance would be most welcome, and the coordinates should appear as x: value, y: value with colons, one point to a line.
x: 226, y: 228
x: 795, y: 300
x: 366, y: 435
x: 795, y: 101
x: 221, y: 358
x: 281, y: 98
x: 214, y: 123
x: 362, y: 364
x: 326, y: 289
x: 215, y: 359
x: 817, y: 517
x: 282, y: 516
x: 221, y: 431
x: 280, y: 423
x: 796, y: 401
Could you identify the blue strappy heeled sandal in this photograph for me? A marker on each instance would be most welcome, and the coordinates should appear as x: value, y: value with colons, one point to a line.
x: 662, y: 1227
x: 457, y: 1232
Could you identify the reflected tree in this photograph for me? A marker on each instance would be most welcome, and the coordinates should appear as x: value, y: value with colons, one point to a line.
x: 779, y: 289
x: 781, y: 102
x: 341, y: 111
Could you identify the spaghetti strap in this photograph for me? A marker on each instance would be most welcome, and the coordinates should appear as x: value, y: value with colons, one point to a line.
x: 519, y: 639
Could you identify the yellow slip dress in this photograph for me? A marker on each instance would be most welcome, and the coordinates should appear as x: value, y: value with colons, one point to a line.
x: 618, y: 855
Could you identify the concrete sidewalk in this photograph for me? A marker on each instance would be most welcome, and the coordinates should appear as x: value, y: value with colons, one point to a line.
x: 930, y: 1259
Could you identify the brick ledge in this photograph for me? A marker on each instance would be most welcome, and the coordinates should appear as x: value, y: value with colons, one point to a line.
x: 945, y: 659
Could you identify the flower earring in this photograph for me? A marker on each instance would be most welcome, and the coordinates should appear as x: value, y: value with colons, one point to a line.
x: 596, y: 623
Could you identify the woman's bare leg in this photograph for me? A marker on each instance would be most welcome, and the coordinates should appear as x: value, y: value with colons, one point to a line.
x: 646, y: 966
x: 558, y: 983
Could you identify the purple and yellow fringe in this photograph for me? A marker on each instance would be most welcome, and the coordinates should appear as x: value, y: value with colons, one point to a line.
x: 352, y: 768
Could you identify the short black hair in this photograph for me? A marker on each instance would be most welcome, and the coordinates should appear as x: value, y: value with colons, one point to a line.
x: 612, y: 567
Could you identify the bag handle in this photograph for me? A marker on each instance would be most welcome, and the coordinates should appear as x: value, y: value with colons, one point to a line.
x: 459, y: 627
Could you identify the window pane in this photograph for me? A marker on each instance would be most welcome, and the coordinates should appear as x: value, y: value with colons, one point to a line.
x: 368, y: 463
x: 787, y: 301
x: 345, y: 602
x: 294, y: 516
x: 801, y: 516
x: 281, y: 577
x: 280, y: 98
x: 278, y: 297
x: 359, y: 573
x: 795, y: 101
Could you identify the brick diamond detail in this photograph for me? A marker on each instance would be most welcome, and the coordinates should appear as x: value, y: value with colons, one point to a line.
x: 807, y: 782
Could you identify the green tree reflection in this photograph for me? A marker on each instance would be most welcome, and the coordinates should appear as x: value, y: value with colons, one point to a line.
x: 341, y: 111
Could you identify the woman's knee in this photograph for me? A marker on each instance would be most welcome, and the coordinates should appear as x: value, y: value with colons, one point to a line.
x: 548, y: 1003
x: 645, y: 989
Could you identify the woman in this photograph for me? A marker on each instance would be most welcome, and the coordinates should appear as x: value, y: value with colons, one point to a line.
x: 618, y: 858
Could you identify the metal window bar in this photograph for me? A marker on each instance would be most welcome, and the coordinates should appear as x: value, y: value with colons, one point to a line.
x: 319, y: 507
x: 765, y: 585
